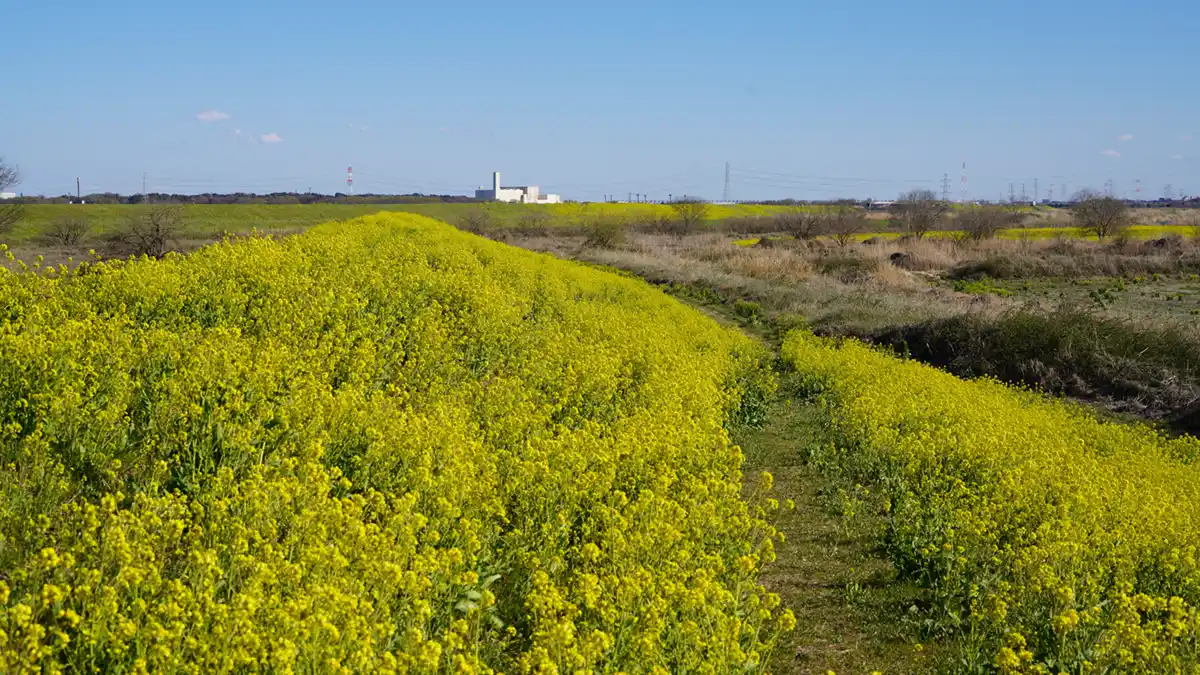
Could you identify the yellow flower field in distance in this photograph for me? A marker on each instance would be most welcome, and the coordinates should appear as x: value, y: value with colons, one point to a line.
x: 381, y: 446
x: 1136, y: 232
x: 1049, y: 541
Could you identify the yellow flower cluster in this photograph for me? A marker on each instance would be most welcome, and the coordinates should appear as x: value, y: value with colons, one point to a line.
x: 381, y: 446
x: 1049, y: 540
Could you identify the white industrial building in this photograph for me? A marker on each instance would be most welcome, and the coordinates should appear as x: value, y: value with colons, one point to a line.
x: 526, y: 194
x: 8, y: 195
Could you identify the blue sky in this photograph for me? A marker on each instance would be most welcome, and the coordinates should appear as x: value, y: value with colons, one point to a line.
x: 808, y: 100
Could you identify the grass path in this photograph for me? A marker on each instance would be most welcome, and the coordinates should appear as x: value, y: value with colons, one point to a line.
x: 849, y: 606
x: 830, y: 570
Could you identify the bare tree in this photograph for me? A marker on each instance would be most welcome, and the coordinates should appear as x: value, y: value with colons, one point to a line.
x: 152, y: 232
x: 801, y: 224
x: 918, y: 212
x: 1100, y: 215
x: 690, y: 214
x: 67, y: 230
x: 985, y: 222
x: 605, y: 231
x: 10, y: 211
x: 477, y: 221
x: 844, y: 223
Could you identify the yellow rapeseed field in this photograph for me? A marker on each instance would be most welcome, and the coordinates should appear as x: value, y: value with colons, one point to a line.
x: 1049, y: 541
x: 381, y: 446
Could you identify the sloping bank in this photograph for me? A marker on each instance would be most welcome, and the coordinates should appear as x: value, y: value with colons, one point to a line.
x: 1049, y: 541
x: 382, y: 446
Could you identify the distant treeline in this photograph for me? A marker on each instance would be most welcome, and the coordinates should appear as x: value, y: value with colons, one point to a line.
x: 249, y: 198
x: 416, y: 198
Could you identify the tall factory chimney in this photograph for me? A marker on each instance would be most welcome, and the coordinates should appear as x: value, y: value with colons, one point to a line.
x: 496, y: 185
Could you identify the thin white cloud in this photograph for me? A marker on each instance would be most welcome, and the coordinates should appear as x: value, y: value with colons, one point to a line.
x: 1126, y: 137
x: 1177, y: 158
x: 1111, y: 153
x: 212, y: 116
x: 444, y: 130
x: 271, y: 138
x: 1185, y: 138
x: 237, y: 132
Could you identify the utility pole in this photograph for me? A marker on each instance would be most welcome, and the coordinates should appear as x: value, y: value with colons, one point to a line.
x: 1035, y: 191
x: 78, y: 194
x: 145, y: 195
x: 1012, y: 196
x: 1024, y: 195
x: 945, y: 187
x: 726, y: 181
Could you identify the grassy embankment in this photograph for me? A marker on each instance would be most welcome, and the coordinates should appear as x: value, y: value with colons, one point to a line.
x: 381, y: 446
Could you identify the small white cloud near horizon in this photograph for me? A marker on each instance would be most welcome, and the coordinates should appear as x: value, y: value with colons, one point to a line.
x: 1177, y: 158
x: 1111, y: 153
x: 237, y: 132
x: 1126, y: 137
x: 212, y: 116
x: 444, y: 130
x: 271, y: 138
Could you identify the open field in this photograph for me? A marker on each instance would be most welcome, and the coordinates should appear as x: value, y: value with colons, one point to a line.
x: 1137, y: 232
x: 207, y: 222
x: 212, y: 220
x: 1042, y: 313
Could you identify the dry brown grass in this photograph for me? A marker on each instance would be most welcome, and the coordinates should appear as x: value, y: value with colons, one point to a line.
x: 865, y: 286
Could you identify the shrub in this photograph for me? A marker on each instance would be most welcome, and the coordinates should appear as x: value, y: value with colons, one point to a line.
x: 803, y: 225
x: 150, y: 233
x: 844, y: 225
x: 477, y: 221
x: 846, y: 268
x: 605, y: 232
x: 984, y: 222
x: 68, y: 230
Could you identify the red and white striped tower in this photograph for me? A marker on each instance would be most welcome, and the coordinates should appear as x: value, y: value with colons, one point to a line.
x: 350, y: 179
